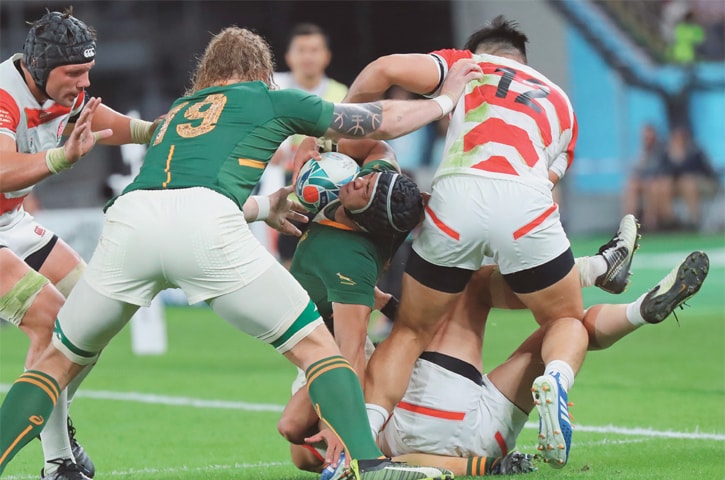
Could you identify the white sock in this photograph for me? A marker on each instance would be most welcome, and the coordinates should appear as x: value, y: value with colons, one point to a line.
x: 54, y: 437
x: 566, y: 373
x: 590, y: 268
x: 377, y: 416
x: 634, y: 315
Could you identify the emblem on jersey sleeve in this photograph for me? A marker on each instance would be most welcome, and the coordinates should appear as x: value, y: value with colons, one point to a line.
x: 345, y: 280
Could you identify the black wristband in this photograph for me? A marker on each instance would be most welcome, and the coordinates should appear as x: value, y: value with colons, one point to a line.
x: 390, y: 309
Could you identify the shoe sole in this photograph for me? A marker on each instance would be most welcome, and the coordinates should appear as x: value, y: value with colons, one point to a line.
x: 551, y: 444
x: 690, y: 276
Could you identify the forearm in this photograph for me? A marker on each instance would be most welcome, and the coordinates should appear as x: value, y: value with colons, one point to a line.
x: 363, y: 151
x: 404, y: 116
x: 383, y: 120
x: 22, y: 170
x: 106, y: 117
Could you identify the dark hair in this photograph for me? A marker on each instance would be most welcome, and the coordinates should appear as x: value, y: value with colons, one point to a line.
x: 498, y: 36
x: 302, y: 29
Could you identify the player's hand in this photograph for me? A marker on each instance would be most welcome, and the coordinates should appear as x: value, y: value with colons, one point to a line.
x: 306, y: 151
x: 282, y: 211
x: 334, y: 446
x: 462, y: 72
x: 82, y: 139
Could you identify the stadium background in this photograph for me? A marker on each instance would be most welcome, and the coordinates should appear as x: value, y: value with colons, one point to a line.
x: 603, y: 54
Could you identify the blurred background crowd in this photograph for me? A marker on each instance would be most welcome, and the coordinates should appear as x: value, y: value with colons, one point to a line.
x: 646, y: 78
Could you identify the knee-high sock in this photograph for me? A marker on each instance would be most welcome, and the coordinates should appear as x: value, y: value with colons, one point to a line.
x: 337, y: 396
x: 24, y: 412
x: 54, y: 437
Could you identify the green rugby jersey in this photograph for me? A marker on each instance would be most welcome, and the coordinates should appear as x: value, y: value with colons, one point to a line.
x: 336, y: 264
x: 222, y: 137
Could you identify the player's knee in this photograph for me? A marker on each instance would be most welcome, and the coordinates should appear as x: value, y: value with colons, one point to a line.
x: 66, y: 284
x: 19, y: 300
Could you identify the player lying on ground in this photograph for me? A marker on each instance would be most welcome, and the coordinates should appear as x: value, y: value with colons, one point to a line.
x: 338, y: 262
x: 451, y: 409
x: 454, y: 416
x: 183, y: 223
x: 42, y: 94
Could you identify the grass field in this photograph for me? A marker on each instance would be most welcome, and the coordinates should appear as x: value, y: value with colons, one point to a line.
x: 651, y: 407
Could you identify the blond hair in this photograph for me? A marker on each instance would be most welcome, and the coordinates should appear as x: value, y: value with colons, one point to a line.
x: 233, y: 53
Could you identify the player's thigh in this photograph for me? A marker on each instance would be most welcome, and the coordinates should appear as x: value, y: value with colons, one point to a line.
x: 273, y: 308
x: 62, y: 265
x: 559, y: 300
x: 88, y: 321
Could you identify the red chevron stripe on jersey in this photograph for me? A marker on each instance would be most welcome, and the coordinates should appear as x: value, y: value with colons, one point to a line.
x: 10, y: 204
x: 497, y: 130
x: 38, y: 116
x: 9, y: 111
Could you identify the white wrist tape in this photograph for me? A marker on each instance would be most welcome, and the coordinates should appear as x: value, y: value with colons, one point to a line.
x: 446, y: 104
x: 140, y: 131
x: 55, y: 160
x: 263, y: 207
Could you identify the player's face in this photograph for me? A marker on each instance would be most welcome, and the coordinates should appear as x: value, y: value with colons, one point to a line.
x: 308, y: 55
x: 66, y: 82
x: 356, y: 194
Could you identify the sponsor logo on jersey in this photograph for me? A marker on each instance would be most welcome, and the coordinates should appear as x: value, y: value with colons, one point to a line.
x: 345, y: 280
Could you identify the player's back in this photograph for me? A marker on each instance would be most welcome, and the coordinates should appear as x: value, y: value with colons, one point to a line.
x: 222, y: 137
x: 513, y: 123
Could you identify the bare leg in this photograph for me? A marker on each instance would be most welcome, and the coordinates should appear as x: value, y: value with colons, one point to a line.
x: 419, y: 317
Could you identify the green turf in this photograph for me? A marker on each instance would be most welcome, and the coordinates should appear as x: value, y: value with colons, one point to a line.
x: 665, y: 377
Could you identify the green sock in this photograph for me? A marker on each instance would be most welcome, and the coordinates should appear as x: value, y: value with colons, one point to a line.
x: 24, y: 412
x: 338, y: 399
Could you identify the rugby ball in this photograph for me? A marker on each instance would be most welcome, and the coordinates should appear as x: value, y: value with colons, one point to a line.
x: 319, y: 181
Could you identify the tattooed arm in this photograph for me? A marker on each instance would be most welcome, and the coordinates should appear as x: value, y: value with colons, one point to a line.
x: 393, y: 118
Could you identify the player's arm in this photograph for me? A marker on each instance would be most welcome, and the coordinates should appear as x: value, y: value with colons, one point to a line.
x: 276, y: 210
x: 22, y: 170
x: 362, y: 151
x: 351, y: 328
x: 388, y: 119
x: 125, y: 129
x: 415, y: 72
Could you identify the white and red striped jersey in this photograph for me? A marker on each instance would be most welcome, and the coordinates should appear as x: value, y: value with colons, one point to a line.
x: 514, y: 123
x: 32, y: 126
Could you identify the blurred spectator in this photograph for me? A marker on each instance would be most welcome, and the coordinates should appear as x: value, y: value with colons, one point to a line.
x: 688, y: 36
x: 687, y: 173
x: 308, y: 56
x: 638, y: 191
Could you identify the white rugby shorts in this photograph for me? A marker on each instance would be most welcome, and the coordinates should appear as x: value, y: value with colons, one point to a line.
x: 194, y: 239
x: 446, y: 413
x: 23, y: 235
x: 471, y: 217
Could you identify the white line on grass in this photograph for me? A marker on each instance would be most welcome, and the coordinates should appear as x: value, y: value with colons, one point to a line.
x: 643, y: 432
x: 171, y: 470
x: 664, y: 261
x: 150, y: 398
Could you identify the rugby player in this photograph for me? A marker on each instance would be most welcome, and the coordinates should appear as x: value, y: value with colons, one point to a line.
x: 511, y: 137
x: 42, y: 96
x: 183, y: 223
x: 339, y: 261
x: 452, y: 409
